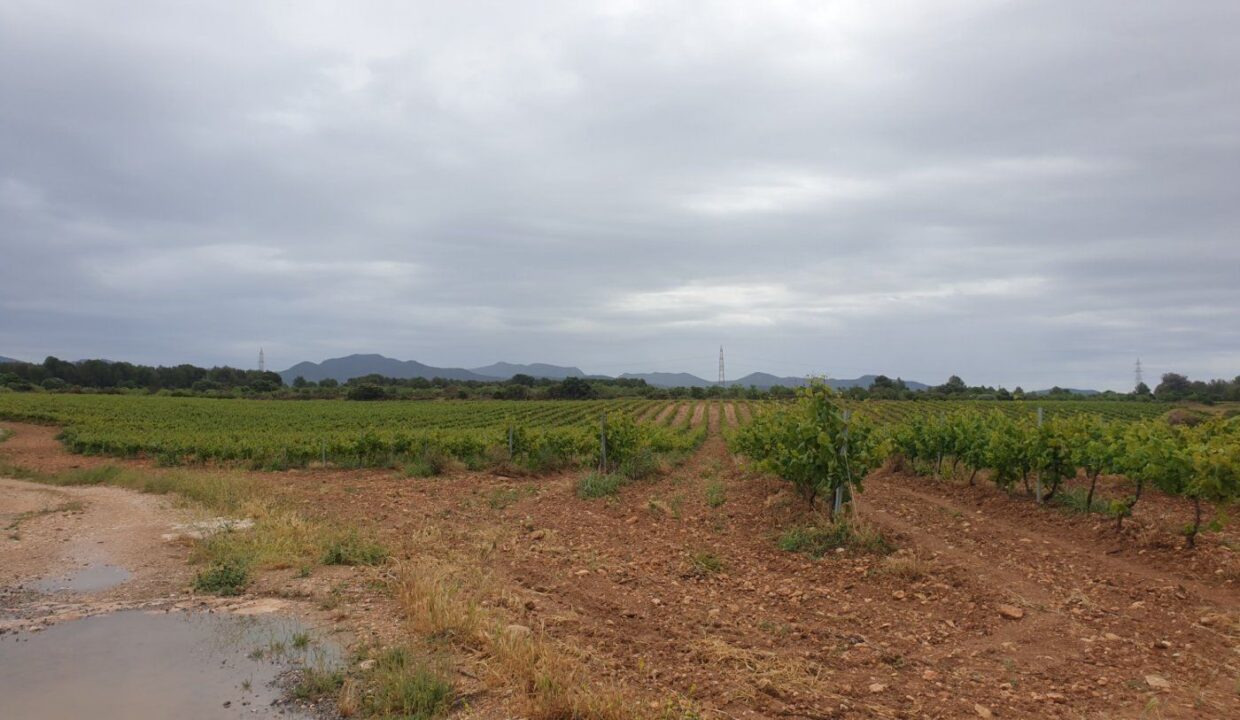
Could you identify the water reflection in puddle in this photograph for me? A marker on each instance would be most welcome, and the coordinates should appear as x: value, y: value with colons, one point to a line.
x: 88, y: 579
x: 136, y: 664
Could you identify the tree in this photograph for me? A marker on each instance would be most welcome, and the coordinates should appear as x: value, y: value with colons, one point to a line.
x: 1173, y: 387
x: 366, y: 391
x: 953, y: 386
x: 572, y: 388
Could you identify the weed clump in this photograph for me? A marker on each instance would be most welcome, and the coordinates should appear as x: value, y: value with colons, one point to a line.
x: 1074, y: 500
x: 818, y: 540
x: 228, y: 578
x: 905, y: 566
x: 407, y: 686
x: 429, y: 463
x: 640, y: 465
x: 715, y: 494
x: 317, y: 683
x: 597, y: 485
x: 350, y: 548
x: 705, y: 563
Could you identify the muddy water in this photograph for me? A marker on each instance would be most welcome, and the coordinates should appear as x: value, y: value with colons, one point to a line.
x: 137, y: 664
x: 91, y: 578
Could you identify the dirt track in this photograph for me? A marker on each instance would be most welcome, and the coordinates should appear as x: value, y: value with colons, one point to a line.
x: 53, y: 533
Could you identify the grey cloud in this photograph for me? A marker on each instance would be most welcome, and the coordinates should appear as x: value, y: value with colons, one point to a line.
x: 1022, y: 193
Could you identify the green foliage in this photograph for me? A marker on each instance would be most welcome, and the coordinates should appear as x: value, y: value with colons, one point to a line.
x: 810, y: 444
x: 227, y: 578
x: 426, y: 436
x: 1199, y: 461
x: 716, y: 494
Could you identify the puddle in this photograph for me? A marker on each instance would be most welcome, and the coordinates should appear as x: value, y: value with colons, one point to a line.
x: 136, y: 664
x: 88, y: 579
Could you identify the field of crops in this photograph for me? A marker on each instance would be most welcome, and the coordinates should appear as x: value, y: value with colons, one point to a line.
x: 275, y: 434
x: 278, y: 434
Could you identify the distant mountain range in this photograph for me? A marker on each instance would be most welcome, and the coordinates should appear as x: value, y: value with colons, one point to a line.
x: 4, y: 359
x: 342, y: 369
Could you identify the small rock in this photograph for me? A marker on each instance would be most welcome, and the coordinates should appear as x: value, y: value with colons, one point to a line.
x: 877, y: 687
x: 929, y: 675
x: 899, y: 594
x: 538, y: 534
x: 1162, y: 645
x: 982, y: 710
x: 1112, y: 637
x: 1055, y: 697
x: 1157, y: 682
x: 367, y: 664
x: 582, y: 572
x: 1011, y: 612
x: 632, y: 520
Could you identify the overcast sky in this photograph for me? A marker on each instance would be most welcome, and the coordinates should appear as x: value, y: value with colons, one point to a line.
x: 1021, y: 193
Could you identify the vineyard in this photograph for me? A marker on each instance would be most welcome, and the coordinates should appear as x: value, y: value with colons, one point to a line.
x: 824, y: 447
x: 787, y: 602
x: 545, y: 434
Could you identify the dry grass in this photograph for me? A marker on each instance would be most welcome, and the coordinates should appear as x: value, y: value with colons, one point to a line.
x: 905, y: 565
x: 440, y: 591
x: 763, y: 671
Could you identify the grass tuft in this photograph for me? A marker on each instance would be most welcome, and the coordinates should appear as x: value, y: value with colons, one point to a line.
x: 905, y: 566
x: 818, y: 540
x: 705, y: 563
x: 597, y: 485
x: 406, y: 686
x: 351, y: 548
x: 716, y: 495
x: 1073, y: 500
